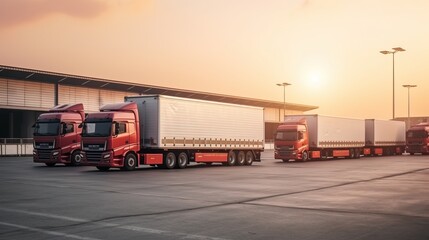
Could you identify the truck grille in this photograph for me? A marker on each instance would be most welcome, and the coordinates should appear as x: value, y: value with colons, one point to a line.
x: 44, y: 154
x: 93, y: 156
x: 414, y: 148
x: 44, y: 145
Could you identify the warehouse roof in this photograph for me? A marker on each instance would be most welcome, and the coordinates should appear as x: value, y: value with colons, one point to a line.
x: 17, y: 73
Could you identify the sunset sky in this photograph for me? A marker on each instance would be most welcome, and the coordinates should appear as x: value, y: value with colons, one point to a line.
x: 327, y: 49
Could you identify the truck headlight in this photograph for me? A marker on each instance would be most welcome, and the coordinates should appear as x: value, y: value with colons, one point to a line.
x: 106, y: 156
x: 55, y: 153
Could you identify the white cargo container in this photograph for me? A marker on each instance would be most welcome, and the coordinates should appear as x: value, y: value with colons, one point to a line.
x: 176, y: 123
x: 384, y: 137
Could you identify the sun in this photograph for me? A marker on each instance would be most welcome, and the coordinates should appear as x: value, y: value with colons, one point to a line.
x: 314, y: 80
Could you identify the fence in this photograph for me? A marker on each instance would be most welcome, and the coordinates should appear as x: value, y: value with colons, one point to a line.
x: 16, y: 146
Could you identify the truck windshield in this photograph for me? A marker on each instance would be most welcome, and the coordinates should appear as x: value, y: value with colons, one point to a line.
x: 97, y: 129
x: 287, y: 135
x: 46, y: 129
x: 417, y: 134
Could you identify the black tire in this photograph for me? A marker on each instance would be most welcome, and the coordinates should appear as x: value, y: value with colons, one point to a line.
x: 103, y: 169
x: 232, y: 158
x: 250, y: 158
x: 170, y: 160
x: 304, y: 156
x: 241, y: 158
x: 50, y: 164
x: 182, y: 160
x: 351, y: 153
x: 130, y: 162
x: 357, y: 153
x: 76, y: 158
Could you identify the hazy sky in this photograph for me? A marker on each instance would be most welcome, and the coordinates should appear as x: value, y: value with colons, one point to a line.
x: 327, y: 49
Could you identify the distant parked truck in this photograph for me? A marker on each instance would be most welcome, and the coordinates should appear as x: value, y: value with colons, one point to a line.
x: 418, y: 139
x: 304, y: 137
x: 57, y: 136
x: 170, y: 132
x: 384, y: 137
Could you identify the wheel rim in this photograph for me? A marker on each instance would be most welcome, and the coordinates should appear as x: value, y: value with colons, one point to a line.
x: 77, y: 158
x: 241, y: 158
x: 231, y: 158
x: 249, y: 158
x: 131, y: 161
x: 183, y: 159
x: 171, y: 160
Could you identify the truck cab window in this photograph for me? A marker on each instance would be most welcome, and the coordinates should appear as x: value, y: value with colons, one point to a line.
x: 68, y: 128
x: 120, y: 128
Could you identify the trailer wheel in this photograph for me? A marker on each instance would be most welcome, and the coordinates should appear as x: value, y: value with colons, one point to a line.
x: 304, y: 156
x: 232, y: 158
x: 170, y: 160
x: 130, y: 162
x: 351, y: 153
x: 249, y: 158
x: 103, y: 169
x: 50, y: 164
x: 357, y: 153
x: 182, y: 160
x: 76, y: 158
x: 241, y: 158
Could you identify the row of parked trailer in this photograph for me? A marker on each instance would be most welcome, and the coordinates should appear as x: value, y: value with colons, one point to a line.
x: 171, y: 132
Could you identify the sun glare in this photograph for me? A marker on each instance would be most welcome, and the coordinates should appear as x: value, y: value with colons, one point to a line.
x: 314, y: 80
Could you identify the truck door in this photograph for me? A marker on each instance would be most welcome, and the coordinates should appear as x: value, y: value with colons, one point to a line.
x: 68, y: 137
x: 121, y: 140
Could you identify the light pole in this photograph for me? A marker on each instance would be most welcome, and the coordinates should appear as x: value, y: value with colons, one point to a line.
x: 284, y: 95
x: 409, y: 86
x: 395, y: 50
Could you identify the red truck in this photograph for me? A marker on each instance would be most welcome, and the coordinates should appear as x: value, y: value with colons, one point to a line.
x: 304, y: 137
x: 418, y: 139
x: 171, y: 132
x: 57, y: 137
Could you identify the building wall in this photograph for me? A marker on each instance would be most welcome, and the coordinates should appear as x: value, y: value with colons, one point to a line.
x: 21, y: 102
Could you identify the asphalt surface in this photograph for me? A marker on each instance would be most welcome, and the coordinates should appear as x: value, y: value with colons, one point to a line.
x: 367, y: 198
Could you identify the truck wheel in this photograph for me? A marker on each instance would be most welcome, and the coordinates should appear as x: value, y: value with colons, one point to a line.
x: 351, y: 153
x: 231, y: 158
x: 130, y: 162
x: 76, y: 158
x: 170, y: 160
x: 241, y: 158
x: 249, y: 158
x: 304, y: 156
x: 50, y: 164
x: 182, y: 160
x: 357, y: 153
x: 103, y: 169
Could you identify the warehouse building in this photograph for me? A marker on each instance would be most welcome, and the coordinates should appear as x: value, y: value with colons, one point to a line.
x: 26, y: 93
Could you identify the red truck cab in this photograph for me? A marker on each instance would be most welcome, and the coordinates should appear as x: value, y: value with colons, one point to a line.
x: 57, y: 137
x: 291, y: 141
x: 110, y: 138
x: 418, y: 139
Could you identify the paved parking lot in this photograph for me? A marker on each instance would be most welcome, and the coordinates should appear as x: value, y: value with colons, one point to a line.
x: 368, y: 198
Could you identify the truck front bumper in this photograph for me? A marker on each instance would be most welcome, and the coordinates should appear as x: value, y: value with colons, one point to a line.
x: 101, y: 159
x: 283, y: 154
x: 49, y: 156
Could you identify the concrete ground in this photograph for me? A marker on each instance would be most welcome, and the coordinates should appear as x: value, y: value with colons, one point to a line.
x: 367, y: 198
